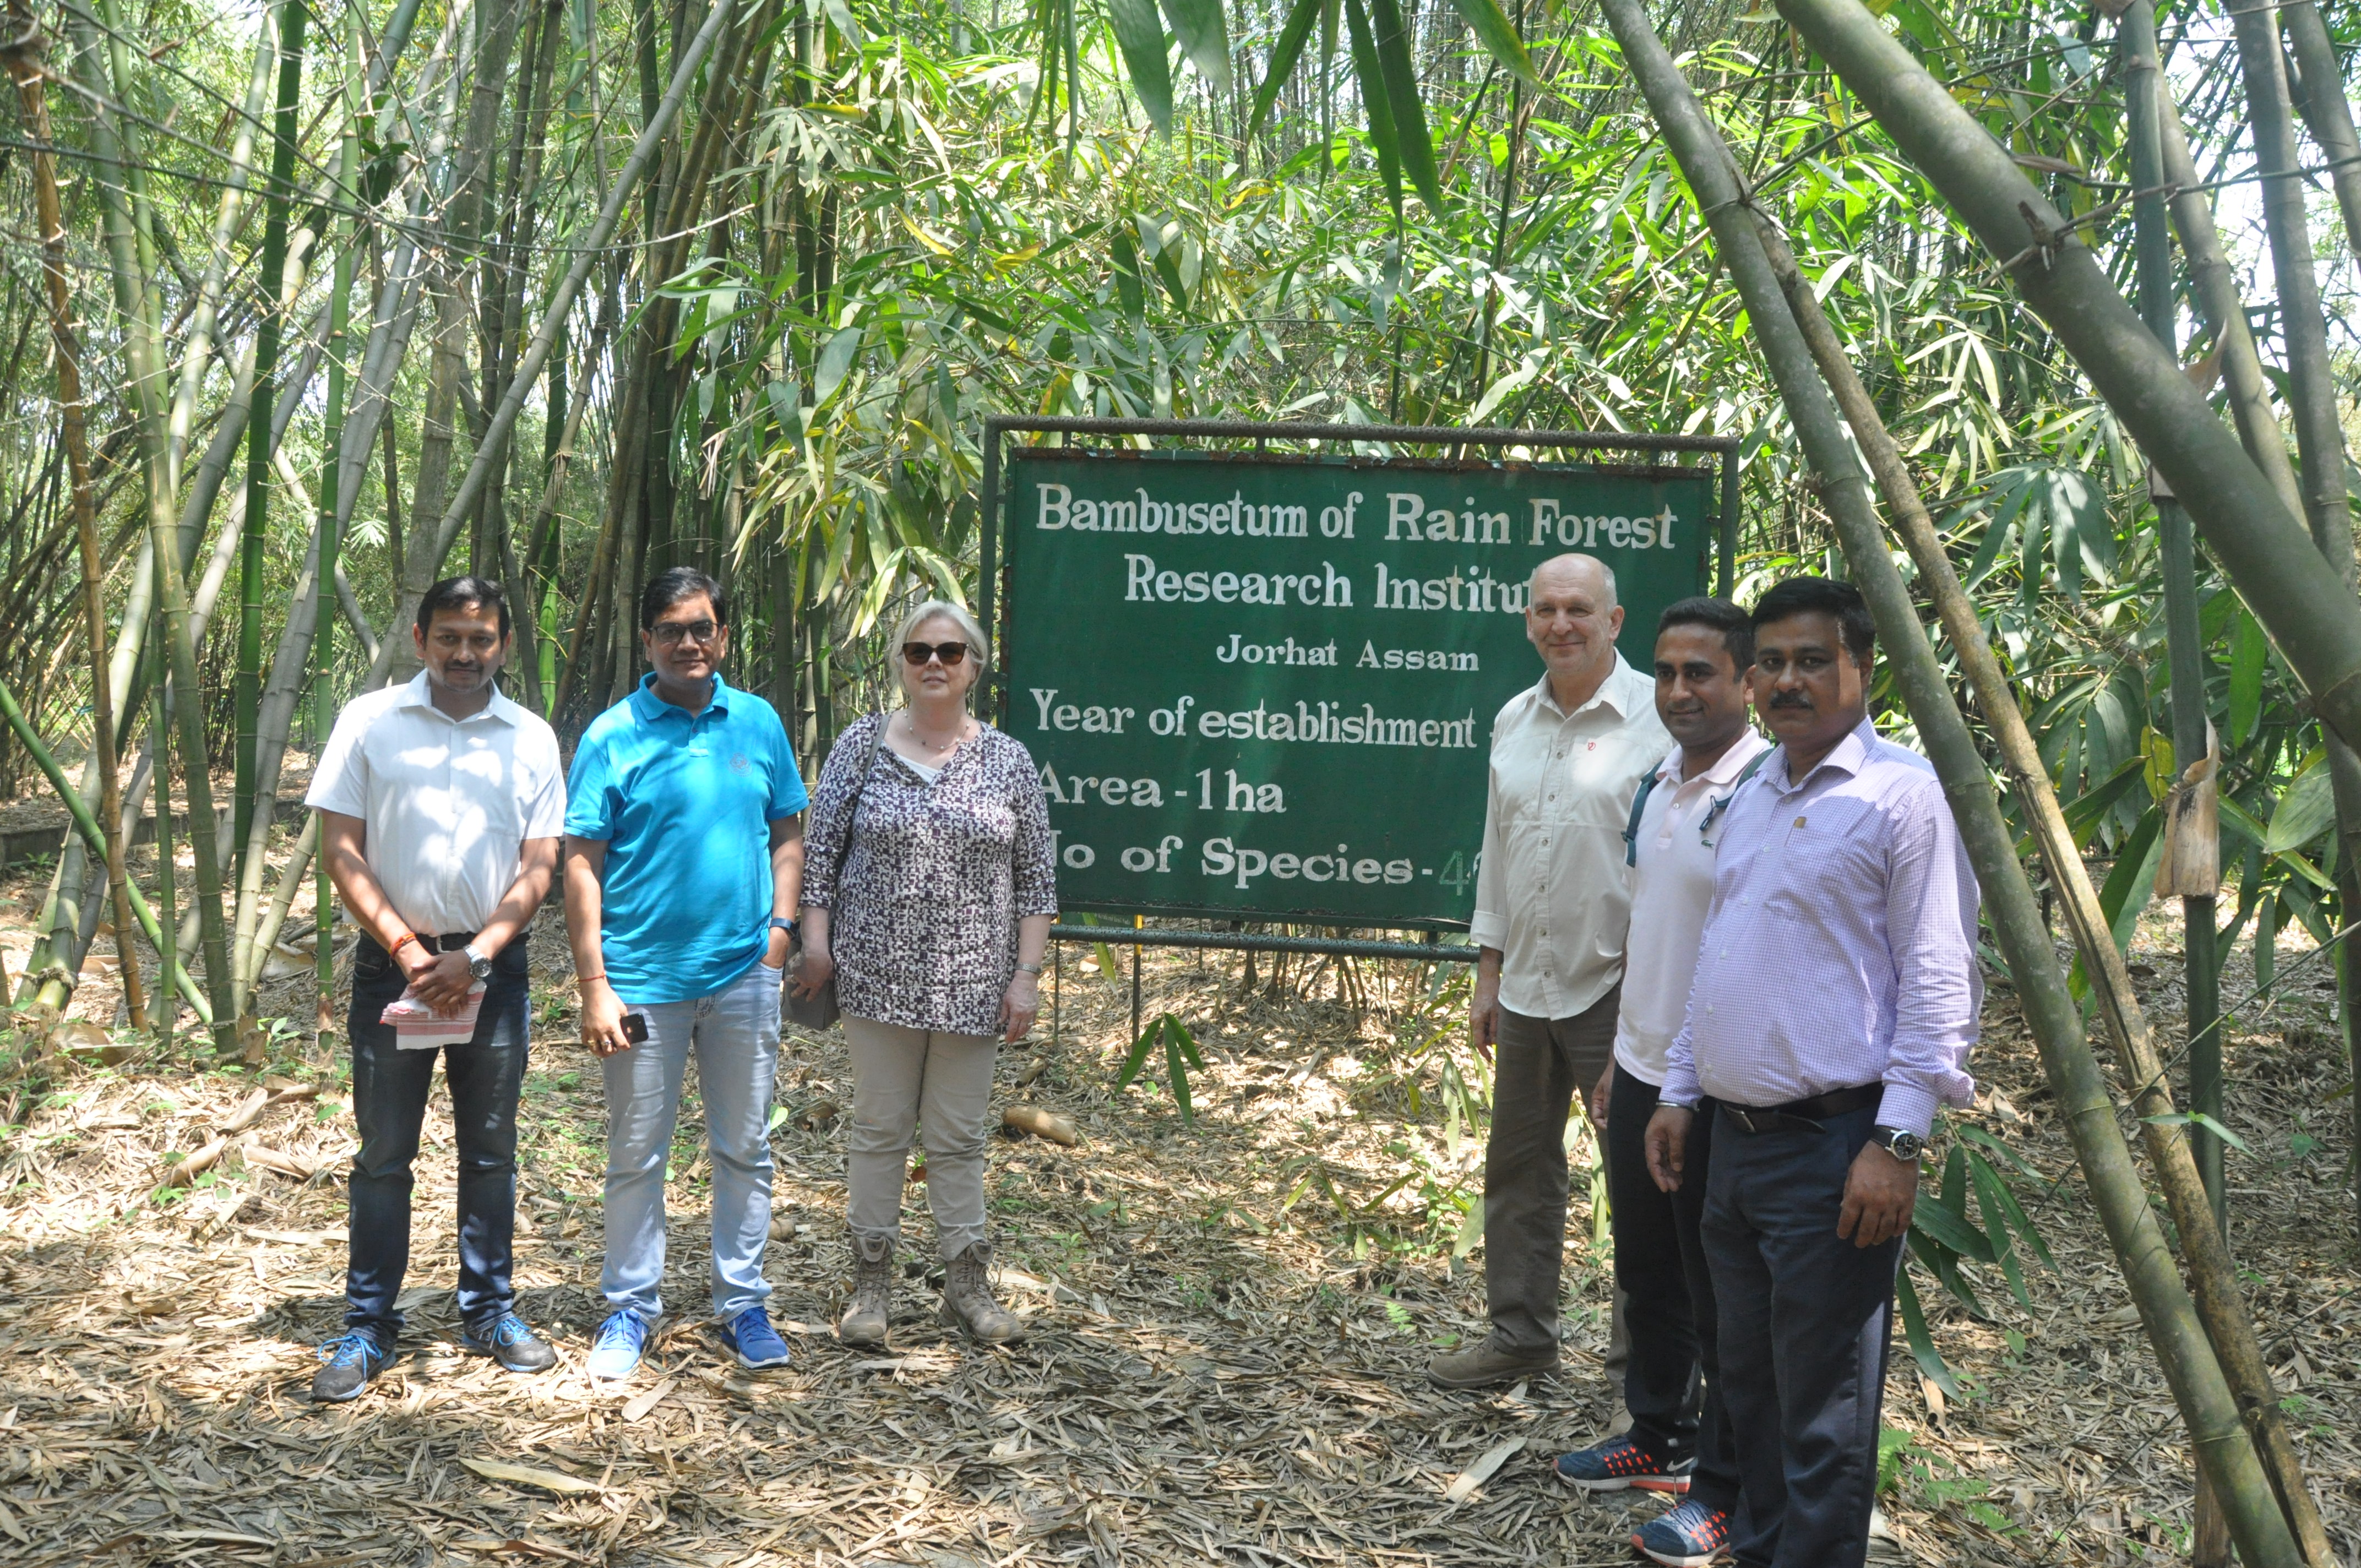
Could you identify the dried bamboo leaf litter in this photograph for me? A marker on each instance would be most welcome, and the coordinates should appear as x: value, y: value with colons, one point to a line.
x: 1215, y: 1372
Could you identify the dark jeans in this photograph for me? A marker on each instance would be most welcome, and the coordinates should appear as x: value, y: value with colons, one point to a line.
x: 390, y: 1089
x: 1660, y: 1266
x: 1804, y: 1319
x: 1541, y: 1064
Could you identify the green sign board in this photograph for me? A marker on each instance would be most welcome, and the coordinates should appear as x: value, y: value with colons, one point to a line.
x: 1263, y: 688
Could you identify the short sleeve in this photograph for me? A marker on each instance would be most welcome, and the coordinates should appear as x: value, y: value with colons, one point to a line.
x: 544, y: 805
x: 340, y: 782
x: 788, y: 796
x: 588, y: 813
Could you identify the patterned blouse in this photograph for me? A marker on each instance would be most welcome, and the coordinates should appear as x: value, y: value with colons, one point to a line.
x: 923, y: 924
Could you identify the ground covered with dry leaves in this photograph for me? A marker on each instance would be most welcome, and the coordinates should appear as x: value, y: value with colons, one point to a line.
x: 1230, y: 1317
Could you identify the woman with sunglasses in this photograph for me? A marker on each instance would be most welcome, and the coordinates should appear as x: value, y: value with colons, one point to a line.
x: 928, y: 893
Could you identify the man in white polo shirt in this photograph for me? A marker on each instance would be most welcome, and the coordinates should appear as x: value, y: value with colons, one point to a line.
x: 441, y: 804
x: 1551, y: 901
x: 1679, y: 1441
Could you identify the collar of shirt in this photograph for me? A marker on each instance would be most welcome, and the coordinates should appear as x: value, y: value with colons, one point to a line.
x: 421, y: 695
x: 1847, y: 757
x: 1725, y: 767
x: 652, y: 708
x: 1617, y: 691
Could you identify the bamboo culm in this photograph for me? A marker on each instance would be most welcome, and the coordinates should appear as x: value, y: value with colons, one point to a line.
x: 2190, y: 1364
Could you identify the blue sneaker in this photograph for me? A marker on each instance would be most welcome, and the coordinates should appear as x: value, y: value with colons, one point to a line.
x: 1618, y: 1463
x: 347, y: 1364
x: 756, y: 1343
x: 1692, y: 1536
x: 615, y: 1355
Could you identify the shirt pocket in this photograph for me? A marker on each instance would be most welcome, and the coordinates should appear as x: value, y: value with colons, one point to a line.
x: 1822, y: 850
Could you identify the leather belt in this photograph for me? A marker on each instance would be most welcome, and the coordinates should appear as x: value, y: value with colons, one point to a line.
x: 1804, y: 1114
x: 448, y: 942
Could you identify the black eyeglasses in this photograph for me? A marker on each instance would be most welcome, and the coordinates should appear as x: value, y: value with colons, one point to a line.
x: 672, y: 633
x: 915, y: 654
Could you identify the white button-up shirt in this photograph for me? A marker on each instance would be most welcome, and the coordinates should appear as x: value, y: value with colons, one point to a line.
x: 1840, y: 949
x: 1672, y: 887
x: 447, y: 802
x: 1552, y: 892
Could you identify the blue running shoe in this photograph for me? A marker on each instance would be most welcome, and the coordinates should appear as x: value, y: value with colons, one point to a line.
x: 512, y: 1344
x: 615, y: 1355
x: 1692, y: 1536
x: 1618, y: 1463
x: 750, y: 1336
x: 346, y: 1363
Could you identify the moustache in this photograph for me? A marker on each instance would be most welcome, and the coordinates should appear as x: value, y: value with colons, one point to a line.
x: 1791, y: 699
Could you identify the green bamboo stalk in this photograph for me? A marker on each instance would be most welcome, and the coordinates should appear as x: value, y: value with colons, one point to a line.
x: 2214, y: 287
x: 248, y: 688
x: 2326, y: 110
x: 2184, y: 641
x: 2312, y: 402
x: 168, y: 950
x: 86, y: 826
x: 2315, y: 620
x: 113, y: 142
x: 2190, y: 1364
x: 332, y: 461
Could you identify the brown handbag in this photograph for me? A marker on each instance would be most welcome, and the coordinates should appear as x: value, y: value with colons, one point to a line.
x: 820, y: 1010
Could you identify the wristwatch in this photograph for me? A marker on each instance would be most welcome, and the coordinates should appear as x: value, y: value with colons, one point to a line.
x: 782, y: 923
x: 1903, y: 1146
x: 478, y: 964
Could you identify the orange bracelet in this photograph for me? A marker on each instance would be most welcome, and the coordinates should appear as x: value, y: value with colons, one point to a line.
x: 403, y: 941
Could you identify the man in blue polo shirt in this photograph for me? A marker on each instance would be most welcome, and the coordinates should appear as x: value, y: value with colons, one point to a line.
x: 683, y: 858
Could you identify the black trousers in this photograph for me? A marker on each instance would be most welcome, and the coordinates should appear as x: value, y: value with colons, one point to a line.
x: 1660, y: 1266
x: 1805, y: 1326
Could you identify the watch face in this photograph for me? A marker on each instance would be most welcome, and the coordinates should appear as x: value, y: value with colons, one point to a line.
x: 1905, y: 1145
x: 480, y: 967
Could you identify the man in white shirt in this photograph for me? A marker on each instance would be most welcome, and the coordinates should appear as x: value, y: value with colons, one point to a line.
x: 441, y: 804
x: 1551, y: 901
x: 1679, y: 1442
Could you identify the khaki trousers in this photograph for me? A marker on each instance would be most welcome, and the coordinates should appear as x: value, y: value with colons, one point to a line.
x: 1540, y: 1065
x: 902, y: 1077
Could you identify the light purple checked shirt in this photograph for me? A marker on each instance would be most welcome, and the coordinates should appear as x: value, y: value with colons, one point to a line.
x: 1840, y: 947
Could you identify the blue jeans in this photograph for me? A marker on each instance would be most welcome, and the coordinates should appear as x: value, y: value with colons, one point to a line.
x: 735, y: 1033
x: 1805, y: 1322
x: 389, y: 1089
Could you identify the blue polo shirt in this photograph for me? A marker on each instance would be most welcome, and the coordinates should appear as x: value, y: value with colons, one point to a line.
x: 684, y: 802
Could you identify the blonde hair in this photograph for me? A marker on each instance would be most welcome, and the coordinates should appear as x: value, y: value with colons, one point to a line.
x: 971, y: 632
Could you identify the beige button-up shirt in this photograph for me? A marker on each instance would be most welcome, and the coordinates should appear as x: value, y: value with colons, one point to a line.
x: 1552, y: 892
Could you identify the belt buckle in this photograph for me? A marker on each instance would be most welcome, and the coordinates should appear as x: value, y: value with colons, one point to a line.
x: 1744, y: 1117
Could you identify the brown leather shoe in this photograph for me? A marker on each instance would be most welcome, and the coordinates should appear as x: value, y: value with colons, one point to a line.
x: 1489, y: 1365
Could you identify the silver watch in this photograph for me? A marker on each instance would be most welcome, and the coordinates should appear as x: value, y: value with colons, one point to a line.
x: 478, y: 964
x: 1905, y: 1147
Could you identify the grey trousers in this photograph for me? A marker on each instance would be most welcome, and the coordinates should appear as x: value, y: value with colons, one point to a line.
x: 1541, y: 1065
x: 901, y: 1078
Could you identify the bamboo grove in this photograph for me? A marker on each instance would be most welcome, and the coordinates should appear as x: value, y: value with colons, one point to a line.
x: 305, y: 306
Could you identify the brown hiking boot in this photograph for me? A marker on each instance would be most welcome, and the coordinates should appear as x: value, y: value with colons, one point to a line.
x: 967, y: 1298
x: 1490, y: 1364
x: 873, y: 1292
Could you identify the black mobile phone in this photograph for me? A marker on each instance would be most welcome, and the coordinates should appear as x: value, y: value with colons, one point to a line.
x: 635, y: 1029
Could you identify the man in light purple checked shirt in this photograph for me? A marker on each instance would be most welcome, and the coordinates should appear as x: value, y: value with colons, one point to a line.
x: 1835, y: 1003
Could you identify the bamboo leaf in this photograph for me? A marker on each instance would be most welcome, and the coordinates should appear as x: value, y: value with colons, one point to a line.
x: 1283, y: 56
x: 1499, y: 36
x: 1139, y: 1057
x: 1205, y: 35
x: 1383, y: 139
x: 1922, y: 1343
x: 1176, y: 1069
x: 1139, y: 33
x: 834, y: 361
x: 2305, y: 812
x: 2199, y: 1119
x: 1950, y: 1230
x: 2249, y: 652
x: 1412, y: 141
x: 1471, y: 1230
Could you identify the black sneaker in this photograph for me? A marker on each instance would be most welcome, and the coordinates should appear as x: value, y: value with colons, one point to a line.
x: 347, y: 1363
x: 512, y: 1344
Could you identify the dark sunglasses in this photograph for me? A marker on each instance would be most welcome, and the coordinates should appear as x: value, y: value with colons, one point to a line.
x: 915, y: 654
x: 672, y: 633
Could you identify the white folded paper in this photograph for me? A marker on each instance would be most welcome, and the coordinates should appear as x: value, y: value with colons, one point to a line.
x: 418, y: 1027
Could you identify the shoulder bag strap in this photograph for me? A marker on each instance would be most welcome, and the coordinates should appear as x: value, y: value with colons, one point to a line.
x: 852, y: 807
x: 1638, y: 804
